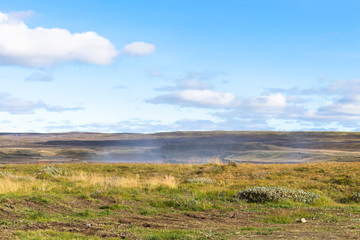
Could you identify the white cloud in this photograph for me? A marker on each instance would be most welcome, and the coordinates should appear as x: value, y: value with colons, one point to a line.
x: 207, y: 97
x: 196, y: 98
x: 191, y: 92
x: 139, y: 49
x: 20, y: 16
x: 36, y: 47
x: 328, y: 107
x: 270, y: 101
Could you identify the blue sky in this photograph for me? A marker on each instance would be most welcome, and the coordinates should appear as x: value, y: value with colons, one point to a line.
x: 149, y: 66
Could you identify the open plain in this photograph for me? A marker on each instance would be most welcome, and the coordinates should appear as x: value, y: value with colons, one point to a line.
x: 181, y: 147
x: 83, y: 186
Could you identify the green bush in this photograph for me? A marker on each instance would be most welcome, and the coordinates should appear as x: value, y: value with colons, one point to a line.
x: 276, y: 194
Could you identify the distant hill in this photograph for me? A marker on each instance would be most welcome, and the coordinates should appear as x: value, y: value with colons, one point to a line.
x: 181, y: 147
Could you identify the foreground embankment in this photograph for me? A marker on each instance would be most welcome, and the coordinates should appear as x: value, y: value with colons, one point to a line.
x: 176, y: 201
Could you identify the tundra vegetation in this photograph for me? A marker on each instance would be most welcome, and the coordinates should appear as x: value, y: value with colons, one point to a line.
x: 180, y: 201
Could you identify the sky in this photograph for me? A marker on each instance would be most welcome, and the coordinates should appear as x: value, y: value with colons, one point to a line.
x: 179, y: 65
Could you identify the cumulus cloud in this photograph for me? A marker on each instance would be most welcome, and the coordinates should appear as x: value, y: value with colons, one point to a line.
x: 37, y: 47
x: 39, y: 77
x: 191, y: 92
x: 19, y: 106
x: 270, y: 101
x: 207, y: 97
x: 136, y: 49
x: 196, y: 98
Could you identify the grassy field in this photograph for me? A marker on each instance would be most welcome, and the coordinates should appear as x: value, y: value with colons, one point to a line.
x: 175, y: 201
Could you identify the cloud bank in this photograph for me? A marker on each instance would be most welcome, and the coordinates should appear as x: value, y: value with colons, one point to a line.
x: 333, y: 106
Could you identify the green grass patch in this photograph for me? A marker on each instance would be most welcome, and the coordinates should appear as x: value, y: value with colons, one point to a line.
x: 52, y: 235
x: 177, y: 234
x: 147, y: 211
x: 87, y: 213
x: 34, y: 215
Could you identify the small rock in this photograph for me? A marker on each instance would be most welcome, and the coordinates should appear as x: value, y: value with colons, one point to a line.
x: 88, y: 224
x: 303, y: 220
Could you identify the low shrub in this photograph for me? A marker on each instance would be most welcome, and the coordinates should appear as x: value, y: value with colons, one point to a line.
x: 232, y: 163
x: 346, y: 180
x: 9, y: 175
x: 51, y: 171
x: 276, y: 194
x: 356, y: 197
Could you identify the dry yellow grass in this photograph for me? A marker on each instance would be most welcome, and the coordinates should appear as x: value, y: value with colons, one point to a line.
x: 14, y: 185
x: 335, y: 180
x: 215, y: 160
x: 8, y: 185
x: 125, y: 182
x: 24, y: 184
x: 167, y: 180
